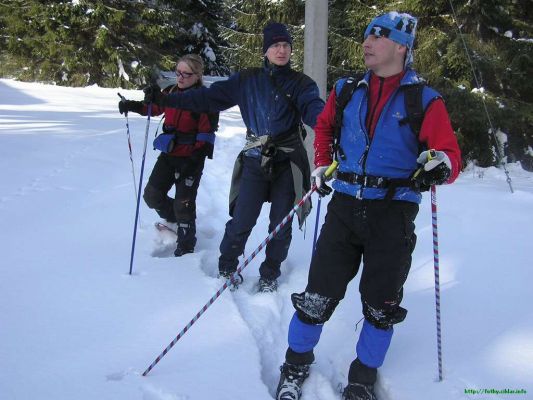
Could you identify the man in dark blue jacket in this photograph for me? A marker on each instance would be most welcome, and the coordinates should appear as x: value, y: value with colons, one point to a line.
x: 273, y: 166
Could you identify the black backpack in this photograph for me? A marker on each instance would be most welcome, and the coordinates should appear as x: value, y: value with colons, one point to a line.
x: 413, y: 106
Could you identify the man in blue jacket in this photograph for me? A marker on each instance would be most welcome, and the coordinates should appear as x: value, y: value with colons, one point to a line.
x: 273, y: 166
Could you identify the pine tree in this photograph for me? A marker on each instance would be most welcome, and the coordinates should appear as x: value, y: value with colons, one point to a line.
x: 492, y: 40
x: 244, y: 29
x: 111, y: 43
x: 498, y: 39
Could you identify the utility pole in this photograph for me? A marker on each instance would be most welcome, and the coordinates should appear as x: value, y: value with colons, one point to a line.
x: 316, y: 52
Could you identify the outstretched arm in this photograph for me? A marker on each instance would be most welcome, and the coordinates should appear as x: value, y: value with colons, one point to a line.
x: 219, y: 96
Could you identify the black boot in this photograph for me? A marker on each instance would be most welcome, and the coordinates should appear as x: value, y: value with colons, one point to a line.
x: 267, y: 285
x: 361, y: 380
x: 294, y: 372
x: 291, y: 381
x: 186, y: 238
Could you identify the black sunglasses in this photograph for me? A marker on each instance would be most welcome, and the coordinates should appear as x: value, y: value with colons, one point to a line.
x: 184, y: 74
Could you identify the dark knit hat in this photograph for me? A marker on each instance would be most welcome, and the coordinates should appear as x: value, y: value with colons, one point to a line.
x: 275, y: 32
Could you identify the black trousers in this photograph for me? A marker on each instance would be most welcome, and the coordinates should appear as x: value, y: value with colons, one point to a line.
x: 376, y: 232
x: 182, y: 172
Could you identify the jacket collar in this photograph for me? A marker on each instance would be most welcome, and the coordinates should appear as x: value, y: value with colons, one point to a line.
x: 276, y: 69
x: 410, y: 77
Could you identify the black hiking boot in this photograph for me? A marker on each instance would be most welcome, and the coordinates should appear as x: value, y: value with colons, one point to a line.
x: 235, y: 279
x: 359, y: 391
x: 186, y: 238
x: 267, y: 285
x: 361, y: 380
x: 181, y: 251
x: 291, y: 381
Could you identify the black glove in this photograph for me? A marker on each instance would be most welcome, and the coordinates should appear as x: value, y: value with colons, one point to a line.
x: 318, y: 177
x: 124, y: 106
x: 436, y: 176
x: 436, y: 168
x: 152, y: 94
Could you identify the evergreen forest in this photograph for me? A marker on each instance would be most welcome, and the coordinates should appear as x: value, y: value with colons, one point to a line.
x: 477, y: 53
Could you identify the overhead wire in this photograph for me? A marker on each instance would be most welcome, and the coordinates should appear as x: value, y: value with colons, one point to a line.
x: 499, y: 151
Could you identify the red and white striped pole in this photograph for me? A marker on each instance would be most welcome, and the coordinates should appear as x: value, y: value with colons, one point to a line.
x: 436, y: 269
x: 235, y: 275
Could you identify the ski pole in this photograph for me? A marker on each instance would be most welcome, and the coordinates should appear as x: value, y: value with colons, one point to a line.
x: 316, y: 222
x: 129, y: 146
x: 431, y: 155
x: 149, y: 112
x: 437, y: 280
x: 243, y: 265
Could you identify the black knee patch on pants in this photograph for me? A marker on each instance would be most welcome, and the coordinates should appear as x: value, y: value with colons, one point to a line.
x: 384, y: 318
x: 153, y: 197
x: 313, y: 308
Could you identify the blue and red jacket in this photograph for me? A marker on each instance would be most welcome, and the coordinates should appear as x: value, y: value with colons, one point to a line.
x: 374, y: 141
x: 185, y: 122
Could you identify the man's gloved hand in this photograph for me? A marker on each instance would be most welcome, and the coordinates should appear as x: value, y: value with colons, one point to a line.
x: 124, y: 106
x: 436, y: 168
x: 319, y: 178
x: 152, y: 94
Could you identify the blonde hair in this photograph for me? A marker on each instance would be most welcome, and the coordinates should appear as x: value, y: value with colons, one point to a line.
x: 196, y: 64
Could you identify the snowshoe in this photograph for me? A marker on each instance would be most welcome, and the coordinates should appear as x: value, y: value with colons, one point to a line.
x: 166, y: 227
x: 291, y: 381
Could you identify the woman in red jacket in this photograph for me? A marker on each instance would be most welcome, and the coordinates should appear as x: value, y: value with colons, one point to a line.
x: 186, y: 141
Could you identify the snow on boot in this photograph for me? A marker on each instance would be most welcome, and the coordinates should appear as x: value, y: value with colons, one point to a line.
x: 291, y: 381
x: 267, y: 285
x: 359, y: 391
x: 235, y: 279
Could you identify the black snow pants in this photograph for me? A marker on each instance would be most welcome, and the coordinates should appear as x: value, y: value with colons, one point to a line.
x: 381, y: 234
x: 182, y: 172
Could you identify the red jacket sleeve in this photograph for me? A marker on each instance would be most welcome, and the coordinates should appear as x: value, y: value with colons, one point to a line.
x: 437, y: 133
x: 325, y: 123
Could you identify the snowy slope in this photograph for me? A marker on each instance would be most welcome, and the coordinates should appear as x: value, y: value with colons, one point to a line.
x: 75, y: 325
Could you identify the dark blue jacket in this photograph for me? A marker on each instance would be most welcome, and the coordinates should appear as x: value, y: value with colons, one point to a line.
x: 263, y: 109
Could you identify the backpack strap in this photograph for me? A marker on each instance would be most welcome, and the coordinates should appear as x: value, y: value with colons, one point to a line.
x: 414, y: 107
x: 341, y: 101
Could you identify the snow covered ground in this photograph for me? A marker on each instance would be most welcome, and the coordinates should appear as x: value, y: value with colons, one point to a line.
x: 75, y: 325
